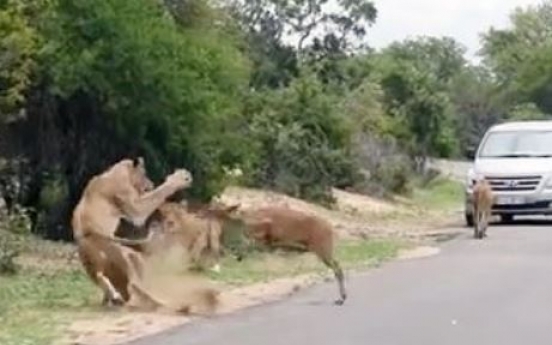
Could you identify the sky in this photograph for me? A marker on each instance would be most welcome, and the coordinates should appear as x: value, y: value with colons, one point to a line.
x: 463, y: 20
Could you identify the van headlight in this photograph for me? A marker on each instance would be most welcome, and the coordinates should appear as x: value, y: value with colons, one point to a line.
x: 548, y: 184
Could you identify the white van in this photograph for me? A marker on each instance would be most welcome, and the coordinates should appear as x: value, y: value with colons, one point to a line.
x: 516, y: 158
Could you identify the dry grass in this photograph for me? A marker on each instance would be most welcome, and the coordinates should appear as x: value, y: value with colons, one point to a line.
x: 262, y: 266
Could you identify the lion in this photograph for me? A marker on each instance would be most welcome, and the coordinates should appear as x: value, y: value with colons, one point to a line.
x: 122, y: 192
x: 197, y: 234
x: 276, y: 226
x: 483, y: 200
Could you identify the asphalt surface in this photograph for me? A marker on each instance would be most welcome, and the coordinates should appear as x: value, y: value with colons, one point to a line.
x: 495, y: 291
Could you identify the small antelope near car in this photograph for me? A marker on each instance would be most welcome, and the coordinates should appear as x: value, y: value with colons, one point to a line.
x: 482, y: 204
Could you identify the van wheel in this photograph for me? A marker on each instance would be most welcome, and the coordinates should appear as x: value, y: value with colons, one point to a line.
x: 506, y: 218
x: 469, y: 219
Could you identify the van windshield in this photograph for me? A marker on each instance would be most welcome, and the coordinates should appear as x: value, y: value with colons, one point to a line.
x: 513, y: 144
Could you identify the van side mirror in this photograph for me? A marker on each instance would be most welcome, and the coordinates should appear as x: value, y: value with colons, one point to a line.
x: 470, y: 153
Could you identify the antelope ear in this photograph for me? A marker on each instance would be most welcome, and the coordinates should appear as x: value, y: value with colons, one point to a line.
x: 232, y: 208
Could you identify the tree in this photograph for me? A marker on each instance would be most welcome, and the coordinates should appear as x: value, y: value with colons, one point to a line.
x: 302, y: 142
x: 118, y: 78
x: 442, y: 57
x: 525, y: 112
x: 415, y: 75
x: 318, y: 33
x: 520, y: 56
x: 306, y: 19
x: 478, y: 104
x: 504, y: 50
x: 18, y: 51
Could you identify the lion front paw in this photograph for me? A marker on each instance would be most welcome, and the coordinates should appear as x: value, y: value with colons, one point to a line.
x: 180, y: 178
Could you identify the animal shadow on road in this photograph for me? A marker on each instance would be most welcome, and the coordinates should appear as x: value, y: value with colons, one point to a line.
x: 536, y: 222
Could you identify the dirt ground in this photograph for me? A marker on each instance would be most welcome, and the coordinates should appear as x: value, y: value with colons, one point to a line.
x: 354, y: 216
x: 122, y: 327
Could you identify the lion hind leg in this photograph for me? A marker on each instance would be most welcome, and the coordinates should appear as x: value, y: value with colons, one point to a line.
x: 486, y: 222
x: 480, y: 223
x: 475, y: 218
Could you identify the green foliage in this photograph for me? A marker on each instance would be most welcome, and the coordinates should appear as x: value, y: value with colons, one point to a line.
x: 442, y: 57
x: 478, y: 103
x: 168, y: 91
x: 9, y: 251
x: 37, y: 303
x: 54, y: 190
x: 421, y: 108
x: 363, y: 108
x: 51, y: 203
x: 520, y: 57
x: 18, y: 49
x: 15, y: 227
x: 505, y: 51
x: 440, y: 193
x: 525, y: 112
x: 265, y: 266
x: 395, y: 174
x: 534, y: 77
x: 18, y: 221
x: 304, y: 19
x: 302, y: 143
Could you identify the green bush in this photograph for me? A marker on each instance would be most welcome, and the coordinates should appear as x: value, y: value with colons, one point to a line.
x: 101, y: 80
x: 18, y: 47
x: 16, y: 226
x: 53, y: 204
x: 386, y: 168
x: 168, y: 92
x: 9, y: 251
x: 300, y: 140
x: 395, y: 174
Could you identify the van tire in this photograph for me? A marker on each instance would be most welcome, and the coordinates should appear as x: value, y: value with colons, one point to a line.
x: 469, y: 219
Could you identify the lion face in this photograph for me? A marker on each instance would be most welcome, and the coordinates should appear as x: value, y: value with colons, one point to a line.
x: 138, y: 177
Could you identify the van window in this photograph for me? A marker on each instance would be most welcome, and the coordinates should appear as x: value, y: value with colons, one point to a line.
x: 517, y: 144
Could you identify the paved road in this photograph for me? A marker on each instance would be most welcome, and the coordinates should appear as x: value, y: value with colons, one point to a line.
x: 492, y: 292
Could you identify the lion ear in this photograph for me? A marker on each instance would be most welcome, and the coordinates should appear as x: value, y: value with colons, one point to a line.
x: 138, y: 162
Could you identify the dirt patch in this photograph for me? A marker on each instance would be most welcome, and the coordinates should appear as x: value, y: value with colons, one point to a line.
x: 356, y: 204
x: 418, y: 252
x: 121, y: 327
x: 124, y: 326
x: 347, y: 205
x: 166, y: 275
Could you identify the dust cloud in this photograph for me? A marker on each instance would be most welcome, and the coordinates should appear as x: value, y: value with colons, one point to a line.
x: 167, y: 276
